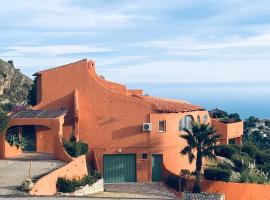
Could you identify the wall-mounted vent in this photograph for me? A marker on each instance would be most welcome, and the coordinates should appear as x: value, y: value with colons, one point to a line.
x: 147, y: 127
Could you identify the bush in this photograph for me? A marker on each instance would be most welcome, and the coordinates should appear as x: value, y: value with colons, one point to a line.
x: 3, y: 121
x: 185, y: 171
x: 90, y: 180
x: 65, y: 185
x: 250, y: 149
x: 7, y: 107
x: 224, y: 165
x: 262, y: 158
x: 265, y: 167
x: 96, y: 175
x: 217, y: 174
x: 253, y: 175
x: 227, y: 150
x: 241, y: 162
x: 75, y: 149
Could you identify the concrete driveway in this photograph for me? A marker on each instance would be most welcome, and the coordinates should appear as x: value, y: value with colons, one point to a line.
x: 14, y: 171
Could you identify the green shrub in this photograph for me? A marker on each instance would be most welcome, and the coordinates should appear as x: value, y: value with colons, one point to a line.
x: 96, y: 175
x: 67, y: 186
x: 7, y: 107
x: 217, y: 174
x: 253, y: 175
x: 3, y: 121
x: 185, y: 171
x: 75, y: 149
x: 90, y: 180
x: 224, y: 165
x: 83, y: 147
x: 265, y: 168
x: 241, y: 161
x: 250, y: 149
x: 64, y: 185
x: 227, y: 150
x: 261, y: 157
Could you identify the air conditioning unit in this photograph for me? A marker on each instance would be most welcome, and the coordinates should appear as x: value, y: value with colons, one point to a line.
x: 147, y: 127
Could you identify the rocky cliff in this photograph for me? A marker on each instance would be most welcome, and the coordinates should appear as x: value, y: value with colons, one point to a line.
x: 14, y: 85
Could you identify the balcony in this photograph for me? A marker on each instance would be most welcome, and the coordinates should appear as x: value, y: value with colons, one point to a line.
x: 230, y: 130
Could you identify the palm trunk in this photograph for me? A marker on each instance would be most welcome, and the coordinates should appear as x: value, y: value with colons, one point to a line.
x: 197, y: 184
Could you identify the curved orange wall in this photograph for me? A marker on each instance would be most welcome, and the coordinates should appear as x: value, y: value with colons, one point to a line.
x: 237, y: 191
x: 53, y: 133
x: 47, y: 184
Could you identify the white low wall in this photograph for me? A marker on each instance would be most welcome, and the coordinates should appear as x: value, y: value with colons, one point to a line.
x: 87, y: 190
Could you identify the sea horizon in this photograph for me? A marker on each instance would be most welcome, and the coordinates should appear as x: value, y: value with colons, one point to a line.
x: 246, y: 99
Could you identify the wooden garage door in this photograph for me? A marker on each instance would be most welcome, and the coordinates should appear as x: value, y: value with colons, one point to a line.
x: 119, y: 168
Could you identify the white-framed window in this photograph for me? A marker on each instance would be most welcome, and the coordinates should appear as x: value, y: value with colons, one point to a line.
x: 205, y: 119
x: 186, y: 122
x: 161, y: 126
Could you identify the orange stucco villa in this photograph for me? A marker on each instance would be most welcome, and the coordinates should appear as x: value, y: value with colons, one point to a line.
x: 131, y: 136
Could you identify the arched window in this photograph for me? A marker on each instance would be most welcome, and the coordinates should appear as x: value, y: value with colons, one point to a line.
x: 205, y: 119
x: 186, y: 122
x: 198, y: 119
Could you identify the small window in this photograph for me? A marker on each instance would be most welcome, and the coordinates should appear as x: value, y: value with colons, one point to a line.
x: 144, y: 156
x: 161, y: 126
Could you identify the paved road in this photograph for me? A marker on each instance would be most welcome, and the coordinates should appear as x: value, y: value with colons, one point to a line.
x: 14, y: 171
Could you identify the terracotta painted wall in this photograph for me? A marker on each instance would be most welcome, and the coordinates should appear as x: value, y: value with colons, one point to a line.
x: 103, y: 118
x: 228, y: 131
x: 47, y: 184
x: 171, y: 141
x: 44, y: 139
x: 237, y: 191
x: 235, y: 129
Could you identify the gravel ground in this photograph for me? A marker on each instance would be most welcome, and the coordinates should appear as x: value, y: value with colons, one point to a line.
x: 14, y: 171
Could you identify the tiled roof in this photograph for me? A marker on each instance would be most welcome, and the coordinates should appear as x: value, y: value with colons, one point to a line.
x: 38, y: 114
x: 171, y: 105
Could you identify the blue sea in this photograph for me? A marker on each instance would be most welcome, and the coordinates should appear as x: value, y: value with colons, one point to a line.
x: 247, y: 99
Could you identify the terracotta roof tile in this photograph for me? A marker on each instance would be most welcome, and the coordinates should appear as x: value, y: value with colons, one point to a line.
x: 171, y: 105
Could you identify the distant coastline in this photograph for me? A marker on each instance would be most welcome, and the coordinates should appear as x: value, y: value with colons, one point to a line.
x: 247, y: 99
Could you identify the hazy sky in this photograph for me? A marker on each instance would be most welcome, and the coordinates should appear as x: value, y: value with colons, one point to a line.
x: 141, y: 41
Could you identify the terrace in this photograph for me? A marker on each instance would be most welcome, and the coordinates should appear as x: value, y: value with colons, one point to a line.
x: 231, y: 130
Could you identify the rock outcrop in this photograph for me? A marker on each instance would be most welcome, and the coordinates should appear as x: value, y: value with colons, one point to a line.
x: 14, y: 85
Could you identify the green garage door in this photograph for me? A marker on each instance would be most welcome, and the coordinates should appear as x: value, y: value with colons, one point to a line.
x: 119, y: 168
x: 157, y: 170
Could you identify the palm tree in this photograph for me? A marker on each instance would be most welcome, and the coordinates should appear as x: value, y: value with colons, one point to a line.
x: 201, y: 140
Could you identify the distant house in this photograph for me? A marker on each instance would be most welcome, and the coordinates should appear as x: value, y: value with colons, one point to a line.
x: 131, y: 136
x: 260, y: 123
x: 217, y: 113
